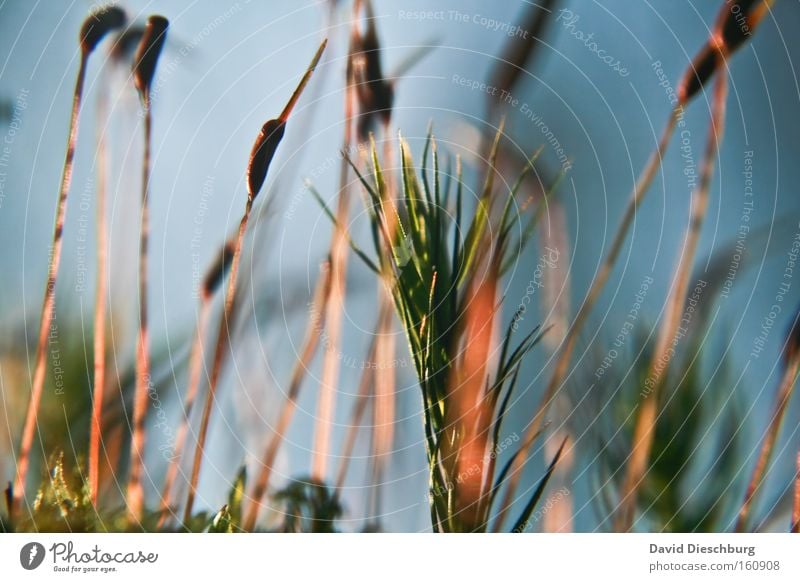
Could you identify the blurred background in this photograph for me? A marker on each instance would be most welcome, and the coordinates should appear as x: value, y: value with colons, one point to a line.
x: 593, y: 93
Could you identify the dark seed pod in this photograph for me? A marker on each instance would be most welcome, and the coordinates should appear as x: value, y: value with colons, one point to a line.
x: 98, y: 24
x: 126, y: 42
x: 734, y: 25
x: 701, y: 70
x: 146, y: 58
x: 518, y: 51
x: 272, y: 133
x: 382, y: 94
x: 216, y: 273
x: 375, y: 93
x: 261, y: 157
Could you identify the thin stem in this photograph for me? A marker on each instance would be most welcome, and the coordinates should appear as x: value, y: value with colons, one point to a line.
x: 784, y: 395
x: 135, y: 492
x: 315, y: 323
x: 96, y: 429
x: 383, y: 405
x: 644, y: 431
x: 355, y: 420
x: 48, y: 306
x: 595, y: 290
x: 223, y: 338
x: 195, y: 368
x: 385, y: 379
x: 338, y: 257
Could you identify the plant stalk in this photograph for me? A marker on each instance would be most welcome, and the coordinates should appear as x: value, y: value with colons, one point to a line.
x: 48, y: 306
x: 135, y: 498
x: 561, y: 369
x: 223, y: 339
x: 785, y: 392
x: 644, y: 431
x: 98, y: 393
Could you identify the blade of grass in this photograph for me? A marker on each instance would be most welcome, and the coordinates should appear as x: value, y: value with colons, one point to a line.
x: 353, y: 246
x: 522, y: 523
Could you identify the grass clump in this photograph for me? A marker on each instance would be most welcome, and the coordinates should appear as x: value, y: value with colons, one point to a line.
x: 442, y: 265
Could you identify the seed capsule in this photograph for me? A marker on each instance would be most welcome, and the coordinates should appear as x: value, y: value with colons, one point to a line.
x: 261, y: 157
x: 735, y: 24
x: 217, y: 271
x: 146, y: 59
x: 98, y: 24
x: 126, y: 42
x: 375, y: 93
x: 697, y: 75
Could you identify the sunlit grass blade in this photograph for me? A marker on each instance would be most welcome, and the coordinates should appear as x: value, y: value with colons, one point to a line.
x: 523, y: 521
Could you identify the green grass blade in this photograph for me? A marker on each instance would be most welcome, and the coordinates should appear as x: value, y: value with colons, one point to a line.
x: 522, y: 522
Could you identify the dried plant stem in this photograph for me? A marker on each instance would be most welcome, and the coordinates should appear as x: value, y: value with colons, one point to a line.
x: 261, y: 156
x: 146, y: 60
x: 98, y: 393
x: 135, y: 498
x: 464, y: 453
x: 595, y: 290
x: 223, y: 338
x: 326, y: 407
x: 385, y: 384
x: 335, y: 308
x: 784, y: 395
x: 31, y: 417
x: 644, y: 430
x: 310, y: 343
x: 362, y: 399
x: 195, y: 369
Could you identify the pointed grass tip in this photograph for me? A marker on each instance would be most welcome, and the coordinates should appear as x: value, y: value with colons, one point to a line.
x: 146, y: 58
x: 98, y: 24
